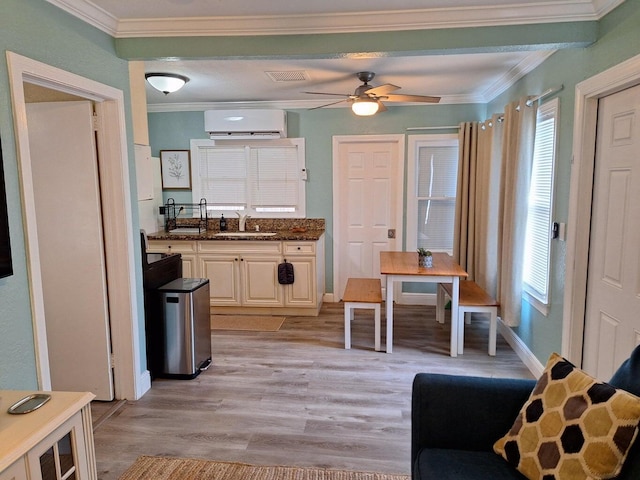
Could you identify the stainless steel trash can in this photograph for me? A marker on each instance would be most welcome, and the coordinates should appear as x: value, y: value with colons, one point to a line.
x: 186, y: 327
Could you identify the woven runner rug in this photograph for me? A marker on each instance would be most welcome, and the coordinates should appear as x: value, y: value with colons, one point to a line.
x: 256, y: 323
x: 163, y: 468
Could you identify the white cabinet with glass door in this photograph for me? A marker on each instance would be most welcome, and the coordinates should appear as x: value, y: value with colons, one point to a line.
x: 53, y: 442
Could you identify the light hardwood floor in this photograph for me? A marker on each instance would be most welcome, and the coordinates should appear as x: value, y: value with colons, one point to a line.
x: 297, y: 397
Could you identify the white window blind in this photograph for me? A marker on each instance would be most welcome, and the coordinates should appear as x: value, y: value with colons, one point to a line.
x: 436, y: 179
x: 274, y: 178
x: 265, y: 179
x: 223, y: 173
x: 538, y: 233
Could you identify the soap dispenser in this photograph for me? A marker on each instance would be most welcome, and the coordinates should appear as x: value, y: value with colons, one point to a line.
x: 223, y: 224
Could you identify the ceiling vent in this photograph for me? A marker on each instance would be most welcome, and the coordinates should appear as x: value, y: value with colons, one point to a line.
x: 290, y: 76
x: 245, y: 124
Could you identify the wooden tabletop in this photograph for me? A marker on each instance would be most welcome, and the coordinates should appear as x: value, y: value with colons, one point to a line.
x: 406, y: 263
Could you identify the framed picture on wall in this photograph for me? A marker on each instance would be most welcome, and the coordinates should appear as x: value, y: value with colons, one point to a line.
x: 175, y: 166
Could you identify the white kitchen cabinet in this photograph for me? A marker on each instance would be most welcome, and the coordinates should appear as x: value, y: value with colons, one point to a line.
x: 17, y: 471
x: 223, y: 272
x: 144, y: 172
x: 302, y: 292
x: 241, y: 273
x: 260, y: 287
x: 188, y: 250
x: 54, y: 442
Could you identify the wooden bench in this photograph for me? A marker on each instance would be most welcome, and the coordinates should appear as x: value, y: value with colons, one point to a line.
x: 473, y: 299
x: 362, y: 293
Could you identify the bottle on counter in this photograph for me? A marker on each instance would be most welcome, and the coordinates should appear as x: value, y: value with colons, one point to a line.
x: 223, y: 223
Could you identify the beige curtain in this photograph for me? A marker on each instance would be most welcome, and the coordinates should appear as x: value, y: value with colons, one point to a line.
x: 517, y: 159
x: 478, y: 198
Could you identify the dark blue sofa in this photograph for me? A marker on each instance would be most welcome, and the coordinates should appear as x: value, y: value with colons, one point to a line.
x: 456, y: 420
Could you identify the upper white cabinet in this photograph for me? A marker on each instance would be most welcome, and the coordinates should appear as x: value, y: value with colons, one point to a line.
x: 144, y: 172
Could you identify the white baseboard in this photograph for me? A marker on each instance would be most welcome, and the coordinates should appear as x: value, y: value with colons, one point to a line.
x: 521, y: 349
x: 143, y: 385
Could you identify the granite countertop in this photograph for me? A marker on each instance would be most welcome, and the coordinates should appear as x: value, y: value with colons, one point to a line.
x: 308, y: 235
x: 307, y: 229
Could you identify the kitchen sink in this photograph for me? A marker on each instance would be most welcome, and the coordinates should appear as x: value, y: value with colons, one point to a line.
x: 245, y: 234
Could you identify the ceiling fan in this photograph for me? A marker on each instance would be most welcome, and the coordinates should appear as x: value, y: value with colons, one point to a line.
x: 367, y: 100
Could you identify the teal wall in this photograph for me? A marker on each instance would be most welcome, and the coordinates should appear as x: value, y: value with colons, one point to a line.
x: 619, y: 40
x: 174, y: 130
x: 38, y: 30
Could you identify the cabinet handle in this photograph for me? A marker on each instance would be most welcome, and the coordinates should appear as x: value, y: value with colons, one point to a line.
x: 236, y: 259
x: 299, y: 248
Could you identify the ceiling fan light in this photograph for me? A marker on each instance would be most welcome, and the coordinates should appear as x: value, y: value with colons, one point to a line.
x: 364, y: 107
x: 166, y: 82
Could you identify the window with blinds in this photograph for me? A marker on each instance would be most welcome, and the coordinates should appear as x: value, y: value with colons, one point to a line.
x: 538, y: 234
x: 432, y: 196
x: 265, y: 179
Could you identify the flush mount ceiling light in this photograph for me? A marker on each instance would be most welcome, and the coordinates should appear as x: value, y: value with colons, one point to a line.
x: 166, y: 82
x: 364, y: 106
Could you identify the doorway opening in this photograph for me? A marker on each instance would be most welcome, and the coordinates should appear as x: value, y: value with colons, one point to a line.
x: 130, y: 382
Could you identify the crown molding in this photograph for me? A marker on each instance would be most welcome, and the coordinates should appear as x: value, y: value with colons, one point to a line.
x: 418, y: 19
x: 90, y: 13
x: 516, y: 73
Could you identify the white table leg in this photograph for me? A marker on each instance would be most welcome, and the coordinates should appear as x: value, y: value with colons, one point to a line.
x: 455, y: 320
x: 389, y: 313
x: 348, y: 316
x: 439, y: 303
x: 376, y: 316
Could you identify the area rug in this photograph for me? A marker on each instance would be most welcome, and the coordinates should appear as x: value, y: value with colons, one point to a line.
x: 163, y: 468
x: 256, y: 323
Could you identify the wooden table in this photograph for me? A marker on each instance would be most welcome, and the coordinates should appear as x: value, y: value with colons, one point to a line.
x: 403, y: 267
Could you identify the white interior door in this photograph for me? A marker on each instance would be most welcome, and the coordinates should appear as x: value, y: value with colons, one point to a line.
x: 612, y: 324
x: 368, y: 178
x: 71, y: 247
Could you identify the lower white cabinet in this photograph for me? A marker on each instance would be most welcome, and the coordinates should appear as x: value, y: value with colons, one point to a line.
x: 188, y: 250
x: 243, y: 275
x: 54, y: 442
x: 17, y: 471
x: 303, y: 292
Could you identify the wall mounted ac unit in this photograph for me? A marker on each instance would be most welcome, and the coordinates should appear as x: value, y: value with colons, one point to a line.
x: 245, y: 124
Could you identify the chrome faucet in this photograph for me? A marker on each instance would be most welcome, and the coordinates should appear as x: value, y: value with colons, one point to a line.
x: 243, y: 221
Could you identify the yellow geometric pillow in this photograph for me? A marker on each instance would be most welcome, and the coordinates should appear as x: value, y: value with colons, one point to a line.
x: 572, y: 427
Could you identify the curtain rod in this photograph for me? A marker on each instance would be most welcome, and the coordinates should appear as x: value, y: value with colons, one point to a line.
x: 544, y: 94
x: 434, y: 128
x: 529, y: 103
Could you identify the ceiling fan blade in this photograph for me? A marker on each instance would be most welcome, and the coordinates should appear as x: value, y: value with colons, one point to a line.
x: 411, y: 98
x: 334, y: 94
x: 327, y: 105
x: 381, y: 107
x: 382, y: 89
